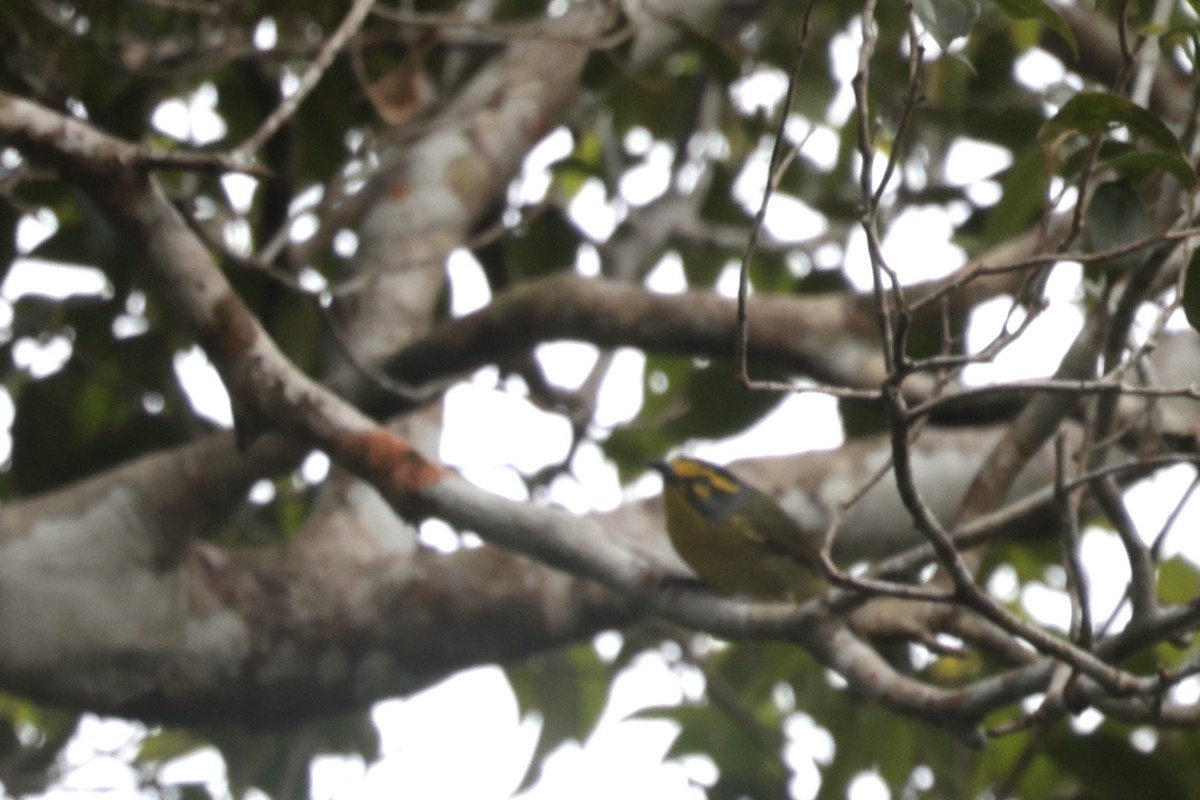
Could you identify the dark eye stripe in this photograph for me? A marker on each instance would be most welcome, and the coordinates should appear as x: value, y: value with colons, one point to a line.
x: 719, y: 501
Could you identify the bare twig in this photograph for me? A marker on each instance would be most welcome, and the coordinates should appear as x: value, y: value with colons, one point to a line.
x: 1039, y: 261
x: 461, y: 29
x: 1169, y: 523
x: 1101, y: 386
x: 775, y: 169
x: 1141, y: 565
x: 216, y: 163
x: 1067, y: 505
x: 308, y: 81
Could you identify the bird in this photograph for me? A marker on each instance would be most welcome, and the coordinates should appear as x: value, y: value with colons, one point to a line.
x: 736, y: 537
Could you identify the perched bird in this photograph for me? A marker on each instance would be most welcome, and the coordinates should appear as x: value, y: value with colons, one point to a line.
x: 736, y: 538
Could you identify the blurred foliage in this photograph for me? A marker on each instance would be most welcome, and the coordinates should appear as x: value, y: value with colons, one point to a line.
x: 567, y: 689
x: 1191, y: 291
x: 32, y: 739
x: 685, y: 399
x: 277, y: 761
x: 117, y: 395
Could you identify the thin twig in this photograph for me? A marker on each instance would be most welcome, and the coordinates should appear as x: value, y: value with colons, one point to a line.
x: 1101, y: 386
x: 1169, y: 523
x: 949, y: 558
x: 775, y: 170
x: 1141, y: 565
x: 1067, y: 504
x: 214, y: 163
x: 1035, y: 262
x: 459, y: 29
x: 308, y: 81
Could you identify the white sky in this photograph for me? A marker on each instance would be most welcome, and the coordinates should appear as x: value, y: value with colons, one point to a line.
x: 474, y: 712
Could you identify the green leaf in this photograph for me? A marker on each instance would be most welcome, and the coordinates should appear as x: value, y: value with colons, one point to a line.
x: 687, y: 398
x: 32, y: 740
x: 605, y: 67
x: 747, y: 766
x: 277, y: 760
x: 1139, y: 165
x: 947, y: 20
x: 165, y: 745
x: 1097, y: 112
x: 568, y: 688
x: 1108, y: 767
x: 754, y: 669
x: 545, y: 244
x: 191, y: 791
x: 94, y: 416
x: 1181, y: 41
x: 883, y: 742
x: 1191, y: 292
x: 600, y: 71
x: 1042, y: 12
x: 719, y: 205
x: 860, y: 418
x: 571, y: 173
x: 720, y: 63
x: 1178, y: 579
x: 1092, y: 113
x: 1117, y: 216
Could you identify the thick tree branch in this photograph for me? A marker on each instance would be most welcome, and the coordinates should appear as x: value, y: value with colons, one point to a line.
x: 272, y: 396
x: 270, y: 391
x: 829, y: 338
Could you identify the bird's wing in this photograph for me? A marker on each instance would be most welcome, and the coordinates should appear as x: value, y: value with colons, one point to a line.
x: 779, y: 531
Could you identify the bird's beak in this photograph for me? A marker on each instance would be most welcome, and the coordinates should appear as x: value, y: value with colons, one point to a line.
x: 664, y: 469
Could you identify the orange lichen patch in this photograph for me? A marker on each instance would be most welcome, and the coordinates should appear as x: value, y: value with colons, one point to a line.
x: 387, y: 459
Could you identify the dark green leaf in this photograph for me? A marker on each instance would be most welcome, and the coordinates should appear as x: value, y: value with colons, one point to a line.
x: 719, y: 205
x: 860, y: 418
x: 1044, y: 13
x: 1191, y: 291
x: 1117, y: 216
x: 1098, y: 112
x: 947, y: 20
x: 719, y: 62
x: 277, y: 760
x: 1093, y: 113
x: 1023, y: 186
x: 823, y: 281
x: 747, y: 768
x: 569, y: 689
x: 883, y: 743
x: 1181, y: 41
x: 685, y: 399
x: 191, y: 791
x: 166, y: 744
x: 546, y: 244
x: 95, y: 418
x: 1108, y: 767
x: 1140, y: 165
x: 601, y: 71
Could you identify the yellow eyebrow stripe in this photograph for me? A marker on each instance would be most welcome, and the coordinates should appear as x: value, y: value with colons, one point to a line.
x: 690, y: 470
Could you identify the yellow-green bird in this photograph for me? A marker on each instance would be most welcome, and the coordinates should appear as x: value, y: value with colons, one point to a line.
x: 737, y: 538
